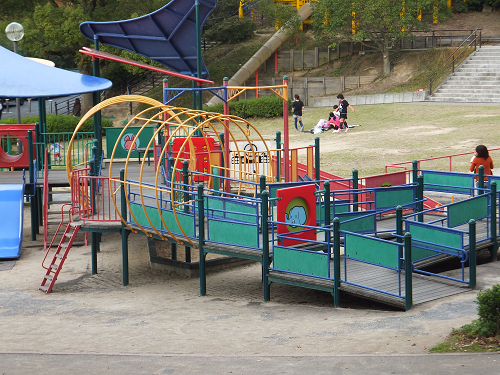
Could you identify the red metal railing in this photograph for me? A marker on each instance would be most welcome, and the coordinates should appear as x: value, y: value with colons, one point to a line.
x: 408, y: 164
x: 92, y: 199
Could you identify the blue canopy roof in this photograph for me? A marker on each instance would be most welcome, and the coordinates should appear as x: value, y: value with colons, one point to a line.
x: 23, y: 78
x: 167, y: 36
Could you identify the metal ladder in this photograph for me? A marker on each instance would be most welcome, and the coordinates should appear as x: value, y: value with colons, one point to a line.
x: 59, y: 257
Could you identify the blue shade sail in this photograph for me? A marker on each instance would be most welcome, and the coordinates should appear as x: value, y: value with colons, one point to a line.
x: 167, y: 36
x: 23, y: 78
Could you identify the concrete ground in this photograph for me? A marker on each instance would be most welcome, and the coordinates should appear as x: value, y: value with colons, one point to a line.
x: 160, y: 325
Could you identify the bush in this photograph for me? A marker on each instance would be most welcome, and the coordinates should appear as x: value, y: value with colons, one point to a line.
x: 488, y: 324
x: 61, y: 123
x: 231, y: 30
x: 265, y: 106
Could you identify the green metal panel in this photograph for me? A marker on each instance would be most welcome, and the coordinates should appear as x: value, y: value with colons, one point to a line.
x: 462, y: 212
x: 138, y: 210
x: 339, y: 209
x: 233, y: 233
x: 185, y: 220
x: 365, y: 224
x: 393, y: 197
x: 372, y: 250
x: 434, y: 235
x: 112, y: 138
x: 451, y: 180
x: 244, y: 208
x: 303, y: 262
x: 237, y: 207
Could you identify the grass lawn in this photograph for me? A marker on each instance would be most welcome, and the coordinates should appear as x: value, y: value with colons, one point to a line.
x: 393, y: 133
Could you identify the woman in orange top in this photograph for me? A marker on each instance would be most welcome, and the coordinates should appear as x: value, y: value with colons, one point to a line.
x: 481, y: 157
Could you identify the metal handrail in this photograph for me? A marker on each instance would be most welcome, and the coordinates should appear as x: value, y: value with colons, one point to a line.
x: 476, y: 38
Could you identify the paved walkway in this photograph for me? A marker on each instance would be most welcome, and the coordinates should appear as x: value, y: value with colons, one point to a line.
x: 160, y: 325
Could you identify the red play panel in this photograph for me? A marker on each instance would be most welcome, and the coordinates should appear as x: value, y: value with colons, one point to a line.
x: 21, y: 132
x: 297, y: 207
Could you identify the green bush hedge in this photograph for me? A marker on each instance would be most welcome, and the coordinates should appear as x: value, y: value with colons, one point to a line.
x: 61, y: 123
x: 265, y: 106
x: 488, y: 309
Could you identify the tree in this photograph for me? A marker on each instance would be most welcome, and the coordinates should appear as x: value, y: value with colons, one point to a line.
x: 383, y: 22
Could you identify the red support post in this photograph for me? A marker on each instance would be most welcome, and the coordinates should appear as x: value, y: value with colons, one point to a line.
x: 227, y: 186
x: 286, y: 151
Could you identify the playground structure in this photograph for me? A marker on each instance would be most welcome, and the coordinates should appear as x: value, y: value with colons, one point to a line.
x: 328, y: 233
x: 217, y: 186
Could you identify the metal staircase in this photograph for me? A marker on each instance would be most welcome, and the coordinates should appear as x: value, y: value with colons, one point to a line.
x: 59, y: 257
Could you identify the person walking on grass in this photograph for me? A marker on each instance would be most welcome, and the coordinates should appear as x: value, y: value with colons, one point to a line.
x: 297, y: 107
x: 343, y: 104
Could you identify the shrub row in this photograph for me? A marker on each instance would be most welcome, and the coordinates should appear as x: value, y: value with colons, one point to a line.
x: 265, y: 106
x: 61, y: 123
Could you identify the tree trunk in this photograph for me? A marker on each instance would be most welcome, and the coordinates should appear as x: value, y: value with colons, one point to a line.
x: 87, y: 101
x: 386, y: 62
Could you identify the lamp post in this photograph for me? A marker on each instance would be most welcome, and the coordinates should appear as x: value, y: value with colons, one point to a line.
x: 15, y: 32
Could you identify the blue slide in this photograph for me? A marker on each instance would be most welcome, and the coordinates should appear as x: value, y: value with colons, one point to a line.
x: 11, y: 220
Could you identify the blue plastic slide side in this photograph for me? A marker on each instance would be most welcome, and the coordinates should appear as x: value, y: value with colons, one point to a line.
x: 11, y: 220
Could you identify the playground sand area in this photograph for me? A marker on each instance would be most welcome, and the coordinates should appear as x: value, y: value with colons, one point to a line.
x: 160, y: 312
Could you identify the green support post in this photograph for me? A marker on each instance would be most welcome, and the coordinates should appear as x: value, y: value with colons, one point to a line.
x: 185, y: 181
x: 472, y: 253
x: 32, y: 190
x: 355, y: 187
x: 326, y: 186
x: 96, y: 99
x: 215, y: 172
x: 316, y: 159
x: 420, y: 197
x: 124, y: 230
x: 265, y: 244
x: 336, y: 262
x: 408, y: 273
x: 170, y: 167
x: 198, y: 51
x: 480, y: 181
x: 414, y: 171
x: 399, y: 223
x: 201, y: 241
x: 221, y: 135
x: 262, y: 183
x: 278, y: 156
x: 493, y: 221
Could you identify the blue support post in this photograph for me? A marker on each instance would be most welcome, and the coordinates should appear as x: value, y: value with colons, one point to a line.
x: 278, y: 156
x: 493, y: 221
x: 472, y: 254
x: 336, y: 262
x: 265, y: 244
x: 201, y: 241
x: 408, y: 273
x: 124, y: 230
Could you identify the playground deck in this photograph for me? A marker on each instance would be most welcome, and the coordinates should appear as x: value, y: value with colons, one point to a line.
x: 425, y: 288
